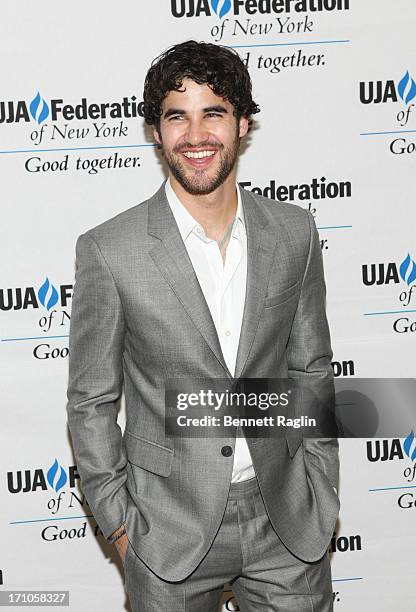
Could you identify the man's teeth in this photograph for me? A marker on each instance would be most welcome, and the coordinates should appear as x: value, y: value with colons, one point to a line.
x: 198, y: 154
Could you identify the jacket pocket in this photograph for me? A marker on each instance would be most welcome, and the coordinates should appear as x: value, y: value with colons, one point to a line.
x: 283, y: 296
x: 148, y: 455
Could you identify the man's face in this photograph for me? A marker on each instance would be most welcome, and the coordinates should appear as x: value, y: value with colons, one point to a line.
x: 200, y: 137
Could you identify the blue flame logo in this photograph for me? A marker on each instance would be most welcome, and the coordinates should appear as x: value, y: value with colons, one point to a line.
x: 39, y: 115
x: 225, y: 8
x: 407, y: 83
x: 407, y: 446
x: 52, y: 473
x: 408, y: 270
x: 43, y: 292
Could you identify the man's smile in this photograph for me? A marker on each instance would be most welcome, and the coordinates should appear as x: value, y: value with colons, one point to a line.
x: 199, y: 159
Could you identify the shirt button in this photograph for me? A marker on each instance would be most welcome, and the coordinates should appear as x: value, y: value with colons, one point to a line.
x: 199, y: 230
x: 228, y: 333
x: 226, y: 451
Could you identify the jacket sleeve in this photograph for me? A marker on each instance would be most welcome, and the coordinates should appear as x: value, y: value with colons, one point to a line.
x: 309, y: 353
x: 95, y: 384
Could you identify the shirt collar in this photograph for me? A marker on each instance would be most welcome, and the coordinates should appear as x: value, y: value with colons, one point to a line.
x: 185, y: 221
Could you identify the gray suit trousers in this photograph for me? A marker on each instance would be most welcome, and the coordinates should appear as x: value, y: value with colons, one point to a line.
x: 247, y: 554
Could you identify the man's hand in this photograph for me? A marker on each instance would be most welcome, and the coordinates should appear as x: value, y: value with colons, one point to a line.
x: 121, y: 542
x: 121, y: 546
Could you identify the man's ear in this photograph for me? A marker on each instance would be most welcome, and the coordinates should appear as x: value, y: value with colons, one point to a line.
x: 243, y: 126
x: 156, y: 136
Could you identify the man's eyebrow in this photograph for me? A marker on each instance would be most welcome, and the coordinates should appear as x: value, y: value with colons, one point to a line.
x: 173, y: 111
x: 217, y: 108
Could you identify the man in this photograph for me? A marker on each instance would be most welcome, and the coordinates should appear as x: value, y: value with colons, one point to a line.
x: 203, y: 280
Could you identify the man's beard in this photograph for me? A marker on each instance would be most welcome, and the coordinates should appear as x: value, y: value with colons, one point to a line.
x: 198, y: 182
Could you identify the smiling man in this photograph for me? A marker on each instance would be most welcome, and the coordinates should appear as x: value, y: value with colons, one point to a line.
x: 203, y: 281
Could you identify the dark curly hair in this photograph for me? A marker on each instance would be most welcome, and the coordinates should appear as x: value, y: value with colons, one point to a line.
x: 221, y: 68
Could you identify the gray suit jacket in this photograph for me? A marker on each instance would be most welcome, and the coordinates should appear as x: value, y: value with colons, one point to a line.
x: 139, y: 317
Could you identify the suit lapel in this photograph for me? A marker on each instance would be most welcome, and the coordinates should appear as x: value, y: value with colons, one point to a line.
x: 261, y: 243
x: 172, y: 259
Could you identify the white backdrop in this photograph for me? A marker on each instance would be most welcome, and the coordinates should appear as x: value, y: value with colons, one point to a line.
x: 337, y: 101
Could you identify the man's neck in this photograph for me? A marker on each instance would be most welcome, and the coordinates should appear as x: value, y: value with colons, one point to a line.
x: 214, y: 211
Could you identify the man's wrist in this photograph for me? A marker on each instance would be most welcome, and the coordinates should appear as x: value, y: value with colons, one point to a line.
x: 117, y: 534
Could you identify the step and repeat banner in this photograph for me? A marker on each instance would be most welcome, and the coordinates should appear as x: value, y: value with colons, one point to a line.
x: 335, y: 80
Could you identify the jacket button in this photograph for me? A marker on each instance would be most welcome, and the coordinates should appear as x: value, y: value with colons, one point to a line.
x: 226, y: 451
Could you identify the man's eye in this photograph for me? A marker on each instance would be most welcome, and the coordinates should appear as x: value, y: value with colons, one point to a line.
x: 214, y: 115
x: 175, y: 117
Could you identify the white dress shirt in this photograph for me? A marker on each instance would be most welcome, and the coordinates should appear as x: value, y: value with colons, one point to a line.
x: 224, y: 287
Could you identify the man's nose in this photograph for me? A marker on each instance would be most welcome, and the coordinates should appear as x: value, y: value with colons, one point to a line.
x: 197, y: 132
